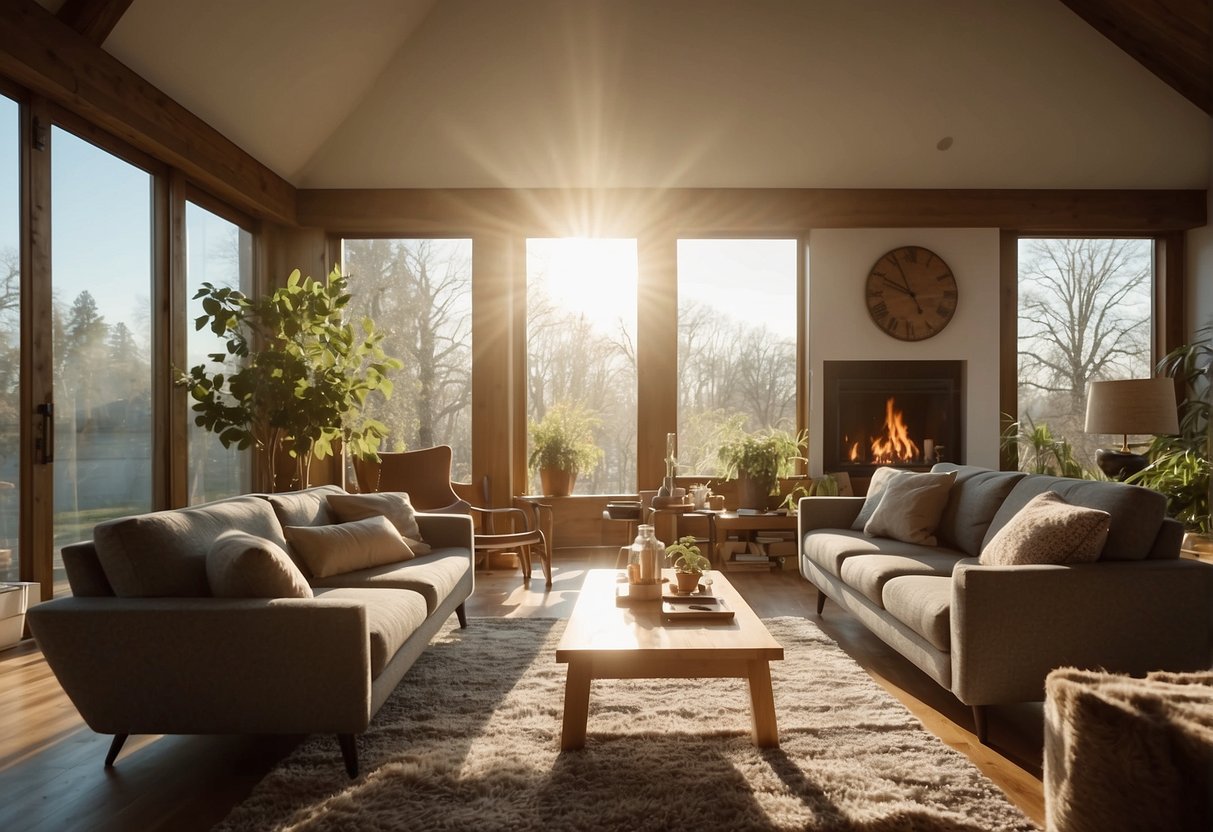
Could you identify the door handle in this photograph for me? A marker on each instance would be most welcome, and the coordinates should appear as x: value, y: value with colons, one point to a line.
x: 45, y: 443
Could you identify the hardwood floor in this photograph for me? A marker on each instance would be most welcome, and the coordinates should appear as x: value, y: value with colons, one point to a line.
x: 52, y: 778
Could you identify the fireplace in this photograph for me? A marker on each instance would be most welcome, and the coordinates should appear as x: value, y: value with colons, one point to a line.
x: 908, y: 414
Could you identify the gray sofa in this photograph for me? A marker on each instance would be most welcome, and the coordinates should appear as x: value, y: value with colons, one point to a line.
x: 143, y: 646
x: 991, y: 634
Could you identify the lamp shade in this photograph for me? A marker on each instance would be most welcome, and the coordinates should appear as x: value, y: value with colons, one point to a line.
x: 1132, y: 406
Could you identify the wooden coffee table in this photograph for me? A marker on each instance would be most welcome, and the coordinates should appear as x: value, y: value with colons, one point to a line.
x: 604, y: 641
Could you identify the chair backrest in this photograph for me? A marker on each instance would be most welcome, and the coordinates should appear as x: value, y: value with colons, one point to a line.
x: 425, y: 474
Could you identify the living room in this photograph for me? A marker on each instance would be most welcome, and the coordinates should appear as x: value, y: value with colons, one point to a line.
x: 847, y: 132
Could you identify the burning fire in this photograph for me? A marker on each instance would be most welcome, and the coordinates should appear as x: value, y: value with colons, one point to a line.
x: 895, y: 445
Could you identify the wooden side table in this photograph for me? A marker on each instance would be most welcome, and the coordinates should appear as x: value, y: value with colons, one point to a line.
x: 724, y: 522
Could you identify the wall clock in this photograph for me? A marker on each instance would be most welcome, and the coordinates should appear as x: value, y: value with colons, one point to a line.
x: 911, y: 293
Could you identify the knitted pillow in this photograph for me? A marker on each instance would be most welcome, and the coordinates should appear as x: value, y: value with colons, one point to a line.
x: 1049, y: 530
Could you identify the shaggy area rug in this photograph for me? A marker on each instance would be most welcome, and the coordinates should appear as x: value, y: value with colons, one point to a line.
x: 471, y: 740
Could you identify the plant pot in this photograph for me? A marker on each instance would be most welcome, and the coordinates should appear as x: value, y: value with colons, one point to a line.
x: 1197, y: 544
x: 556, y: 482
x: 687, y: 581
x: 751, y: 493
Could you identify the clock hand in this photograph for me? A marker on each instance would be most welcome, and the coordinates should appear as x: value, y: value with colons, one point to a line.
x: 907, y: 290
x: 897, y: 286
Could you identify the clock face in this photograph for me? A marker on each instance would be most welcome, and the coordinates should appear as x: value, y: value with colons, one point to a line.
x: 911, y: 293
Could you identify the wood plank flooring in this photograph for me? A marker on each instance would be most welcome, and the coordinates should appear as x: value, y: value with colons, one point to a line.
x: 52, y: 778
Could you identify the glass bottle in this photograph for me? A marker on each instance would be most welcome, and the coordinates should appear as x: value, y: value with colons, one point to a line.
x: 644, y: 558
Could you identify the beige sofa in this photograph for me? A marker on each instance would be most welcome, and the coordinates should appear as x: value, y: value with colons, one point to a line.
x: 991, y: 634
x: 144, y: 647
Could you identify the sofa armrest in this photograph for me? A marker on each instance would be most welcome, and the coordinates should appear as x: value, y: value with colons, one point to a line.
x: 826, y: 513
x: 446, y: 530
x: 1011, y: 625
x: 210, y: 665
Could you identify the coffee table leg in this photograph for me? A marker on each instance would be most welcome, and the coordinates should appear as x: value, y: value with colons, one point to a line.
x: 762, y: 705
x: 577, y: 705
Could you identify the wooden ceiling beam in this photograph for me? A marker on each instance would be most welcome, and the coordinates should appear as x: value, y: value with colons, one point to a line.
x: 47, y: 57
x: 94, y: 19
x: 1171, y: 38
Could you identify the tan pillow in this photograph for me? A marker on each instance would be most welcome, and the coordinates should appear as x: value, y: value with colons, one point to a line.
x: 348, y: 547
x: 881, y: 477
x: 394, y: 505
x: 910, y: 507
x: 241, y: 565
x: 1049, y: 530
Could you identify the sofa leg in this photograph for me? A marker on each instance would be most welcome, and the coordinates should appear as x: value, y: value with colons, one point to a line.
x: 980, y: 724
x: 349, y: 752
x: 462, y: 613
x: 821, y: 601
x: 115, y: 747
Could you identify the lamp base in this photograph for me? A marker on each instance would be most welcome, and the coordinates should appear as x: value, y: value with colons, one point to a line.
x: 1119, y: 465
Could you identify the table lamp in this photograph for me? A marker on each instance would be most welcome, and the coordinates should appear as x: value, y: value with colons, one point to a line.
x: 1125, y: 406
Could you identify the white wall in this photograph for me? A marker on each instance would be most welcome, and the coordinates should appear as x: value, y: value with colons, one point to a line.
x: 1200, y: 268
x: 840, y: 328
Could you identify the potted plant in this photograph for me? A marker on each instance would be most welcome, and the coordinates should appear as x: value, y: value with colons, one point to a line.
x: 823, y: 486
x: 302, y: 374
x: 758, y: 460
x: 688, y: 562
x: 1181, y: 465
x: 562, y: 446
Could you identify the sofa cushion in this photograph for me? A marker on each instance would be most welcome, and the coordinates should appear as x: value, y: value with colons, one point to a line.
x: 392, y: 615
x: 972, y: 503
x: 876, y: 486
x: 394, y: 505
x: 434, y: 576
x: 924, y: 604
x: 348, y: 547
x: 868, y: 574
x: 1049, y: 530
x: 163, y: 554
x: 828, y: 549
x: 910, y: 507
x: 304, y: 508
x: 241, y: 565
x: 1136, y: 513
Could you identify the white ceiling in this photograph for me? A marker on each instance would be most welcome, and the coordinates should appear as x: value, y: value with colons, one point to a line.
x: 686, y: 93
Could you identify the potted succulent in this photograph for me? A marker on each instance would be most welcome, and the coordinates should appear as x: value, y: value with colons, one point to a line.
x: 1181, y: 466
x: 758, y: 460
x: 688, y: 562
x: 562, y: 446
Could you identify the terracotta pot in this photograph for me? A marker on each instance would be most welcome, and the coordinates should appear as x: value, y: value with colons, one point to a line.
x: 687, y: 581
x: 556, y: 482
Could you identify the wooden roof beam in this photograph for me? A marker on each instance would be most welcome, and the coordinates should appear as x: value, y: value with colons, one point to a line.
x: 94, y: 19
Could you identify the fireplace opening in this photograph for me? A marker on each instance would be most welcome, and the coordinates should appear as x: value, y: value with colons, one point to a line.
x: 907, y: 414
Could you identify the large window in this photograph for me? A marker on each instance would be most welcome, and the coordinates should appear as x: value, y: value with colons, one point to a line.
x: 218, y: 252
x: 10, y: 338
x: 101, y: 268
x: 1085, y: 314
x: 581, y: 348
x: 419, y: 291
x: 737, y: 326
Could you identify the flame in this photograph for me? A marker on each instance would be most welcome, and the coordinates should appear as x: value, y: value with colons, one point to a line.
x: 895, y: 445
x: 853, y: 454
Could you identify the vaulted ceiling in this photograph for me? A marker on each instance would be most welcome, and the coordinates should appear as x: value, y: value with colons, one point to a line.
x: 687, y: 93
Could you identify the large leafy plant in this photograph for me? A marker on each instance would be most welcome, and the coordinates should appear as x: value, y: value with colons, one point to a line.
x: 763, y: 457
x: 295, y: 376
x: 1181, y: 466
x: 564, y: 439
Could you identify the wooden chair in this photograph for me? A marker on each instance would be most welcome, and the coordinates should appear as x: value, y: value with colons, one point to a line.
x: 426, y: 476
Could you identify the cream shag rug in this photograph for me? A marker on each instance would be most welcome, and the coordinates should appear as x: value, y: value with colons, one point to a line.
x: 470, y: 740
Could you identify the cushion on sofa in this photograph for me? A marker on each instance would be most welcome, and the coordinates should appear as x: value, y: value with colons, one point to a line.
x: 348, y: 547
x: 241, y: 565
x: 910, y: 507
x: 828, y: 549
x: 1049, y: 530
x: 1136, y: 513
x: 434, y: 576
x: 868, y: 574
x: 876, y: 486
x: 163, y: 554
x: 304, y: 508
x: 392, y: 615
x: 394, y: 505
x: 972, y: 504
x: 924, y: 604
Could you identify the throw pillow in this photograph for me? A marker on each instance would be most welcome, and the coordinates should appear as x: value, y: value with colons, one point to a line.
x: 394, y: 505
x: 880, y: 478
x: 910, y: 507
x: 1049, y: 530
x: 348, y: 547
x: 241, y: 565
